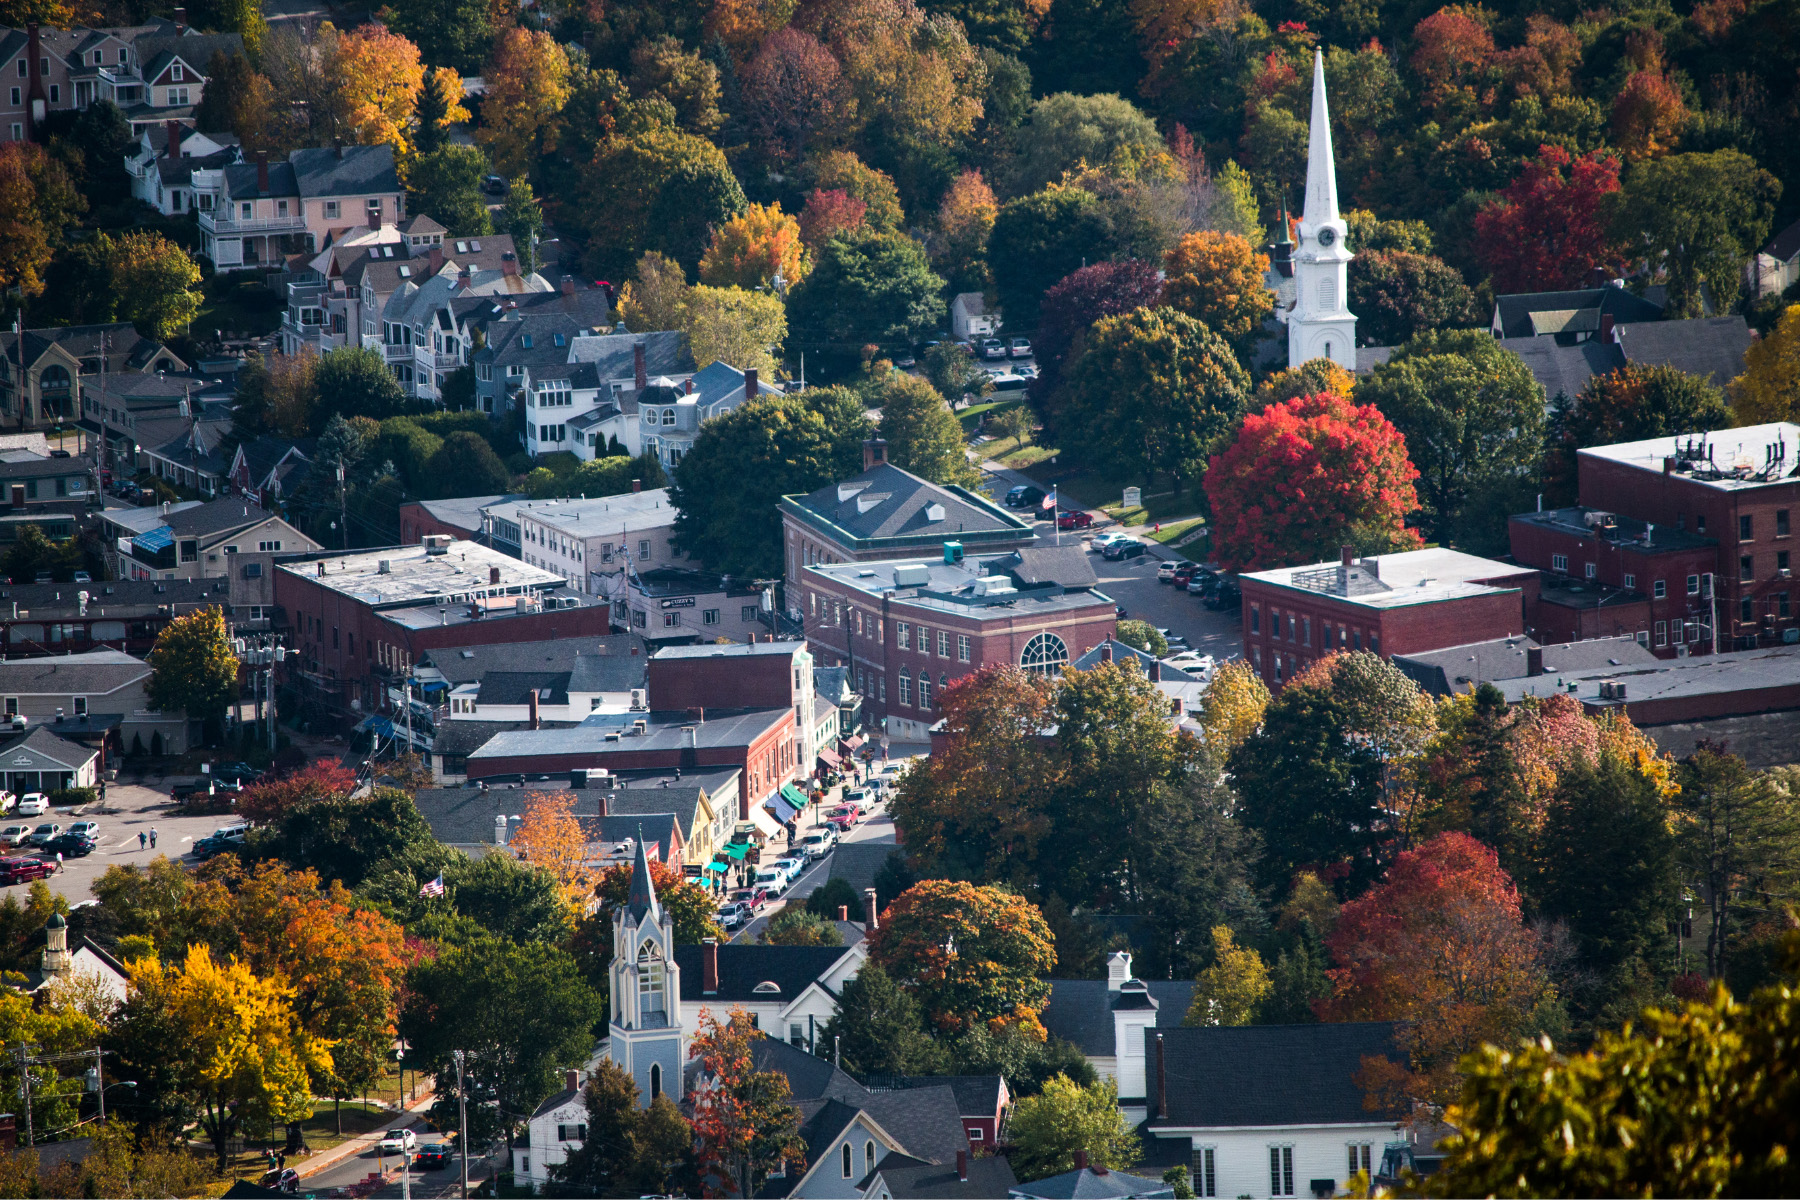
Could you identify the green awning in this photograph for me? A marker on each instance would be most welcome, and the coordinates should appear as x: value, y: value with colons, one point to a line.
x: 793, y: 795
x: 714, y: 866
x: 737, y: 850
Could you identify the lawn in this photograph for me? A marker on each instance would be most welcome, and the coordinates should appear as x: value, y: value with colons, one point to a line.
x: 972, y: 415
x: 237, y: 305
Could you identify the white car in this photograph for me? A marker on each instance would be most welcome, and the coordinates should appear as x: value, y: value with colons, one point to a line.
x: 45, y: 832
x: 817, y: 844
x: 396, y: 1140
x: 8, y: 801
x: 772, y: 880
x: 35, y: 804
x: 14, y: 835
x: 1102, y: 541
x: 87, y: 829
x: 1166, y: 571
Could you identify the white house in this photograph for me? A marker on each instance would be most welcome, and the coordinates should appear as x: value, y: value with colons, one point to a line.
x: 1776, y: 267
x: 163, y: 162
x: 577, y: 383
x: 1105, y: 1020
x: 671, y: 415
x: 558, y: 1126
x: 84, y: 695
x: 1271, y: 1110
x: 969, y: 318
x: 428, y: 323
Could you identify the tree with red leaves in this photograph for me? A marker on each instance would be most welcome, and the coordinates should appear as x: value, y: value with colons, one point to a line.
x: 1552, y: 224
x: 829, y: 212
x: 1451, y: 49
x: 271, y: 799
x: 744, y: 1124
x: 1441, y: 945
x: 1307, y: 476
x: 1075, y: 302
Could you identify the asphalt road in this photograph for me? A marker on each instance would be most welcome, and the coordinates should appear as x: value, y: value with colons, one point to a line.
x: 1132, y: 583
x: 877, y: 826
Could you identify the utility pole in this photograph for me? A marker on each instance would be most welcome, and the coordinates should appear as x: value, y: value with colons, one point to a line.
x: 343, y: 511
x: 462, y: 1121
x: 23, y: 1053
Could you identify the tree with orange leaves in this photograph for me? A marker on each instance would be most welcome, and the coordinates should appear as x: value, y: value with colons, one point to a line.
x: 970, y: 955
x: 378, y: 76
x: 753, y: 247
x: 1163, y: 26
x: 528, y: 84
x: 958, y: 245
x: 1217, y: 278
x: 551, y: 838
x: 1440, y: 944
x: 829, y: 212
x: 1648, y: 115
x: 690, y: 905
x: 744, y: 1123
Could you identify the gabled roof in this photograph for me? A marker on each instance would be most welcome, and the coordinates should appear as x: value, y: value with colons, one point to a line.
x: 39, y: 740
x: 471, y: 664
x: 1218, y: 1075
x: 1565, y: 370
x: 906, y: 1178
x: 554, y: 1102
x: 976, y: 1095
x: 1710, y: 347
x: 357, y: 171
x: 809, y: 1076
x: 857, y: 863
x: 94, y: 673
x: 1086, y: 1183
x: 243, y: 182
x: 1514, y: 312
x: 1065, y: 566
x: 1784, y: 245
x: 885, y: 502
x: 1124, y: 653
x: 216, y: 517
x: 742, y: 968
x: 612, y: 355
x: 1081, y: 1010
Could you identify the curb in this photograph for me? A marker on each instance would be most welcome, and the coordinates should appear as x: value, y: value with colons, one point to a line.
x: 355, y: 1146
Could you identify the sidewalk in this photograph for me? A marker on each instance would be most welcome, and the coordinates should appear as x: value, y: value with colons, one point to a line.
x: 363, y: 1142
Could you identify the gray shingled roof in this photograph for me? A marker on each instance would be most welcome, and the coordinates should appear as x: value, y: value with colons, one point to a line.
x: 1625, y: 307
x: 1564, y: 370
x: 1711, y: 347
x: 1785, y: 244
x: 1089, y: 1184
x: 857, y: 863
x: 95, y: 673
x: 1454, y: 668
x: 792, y: 969
x: 465, y: 816
x: 909, y: 1179
x: 1219, y: 1076
x: 1066, y: 566
x: 360, y: 170
x: 893, y: 504
x: 1081, y: 1010
x: 1123, y: 653
x: 469, y: 664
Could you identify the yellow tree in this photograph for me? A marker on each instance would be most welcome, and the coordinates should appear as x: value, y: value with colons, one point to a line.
x: 551, y: 837
x: 192, y: 667
x: 1311, y: 377
x: 1231, y: 990
x: 378, y: 76
x: 235, y: 1032
x: 753, y: 247
x: 731, y: 325
x: 656, y: 299
x: 528, y: 84
x: 1232, y: 707
x: 36, y: 201
x: 1217, y: 278
x: 1769, y: 388
x: 155, y: 280
x: 965, y: 218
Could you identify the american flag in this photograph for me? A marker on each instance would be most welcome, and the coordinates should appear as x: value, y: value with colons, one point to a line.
x: 433, y: 889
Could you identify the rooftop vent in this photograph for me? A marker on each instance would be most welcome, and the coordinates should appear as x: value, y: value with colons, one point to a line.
x: 912, y: 576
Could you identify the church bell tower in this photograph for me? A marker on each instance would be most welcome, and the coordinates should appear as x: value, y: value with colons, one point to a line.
x: 1321, y: 326
x: 645, y: 1034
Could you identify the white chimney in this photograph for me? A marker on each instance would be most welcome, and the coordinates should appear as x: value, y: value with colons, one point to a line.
x: 1118, y: 970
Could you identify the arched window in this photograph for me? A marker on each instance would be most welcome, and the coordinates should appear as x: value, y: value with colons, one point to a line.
x: 925, y: 690
x: 846, y: 1160
x: 868, y: 1156
x: 1327, y: 353
x: 1045, y: 654
x: 655, y: 1080
x: 650, y: 980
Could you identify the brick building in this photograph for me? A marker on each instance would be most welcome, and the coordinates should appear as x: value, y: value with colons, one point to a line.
x: 760, y: 675
x: 359, y: 621
x: 1608, y: 576
x: 1395, y: 604
x: 906, y: 629
x: 1737, y: 488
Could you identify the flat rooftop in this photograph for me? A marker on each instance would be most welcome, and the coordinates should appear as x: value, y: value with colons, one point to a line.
x: 1399, y: 580
x: 1620, y: 532
x: 1670, y: 679
x: 750, y: 650
x: 411, y: 575
x: 1752, y: 456
x: 951, y: 587
x: 625, y: 513
x: 617, y: 733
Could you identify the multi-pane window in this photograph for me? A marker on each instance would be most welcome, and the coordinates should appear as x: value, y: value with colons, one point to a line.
x: 1693, y: 585
x: 906, y: 689
x: 1781, y: 522
x: 924, y: 640
x: 1591, y: 569
x: 1781, y: 605
x: 943, y: 644
x: 1559, y: 562
x: 1746, y: 567
x: 1281, y: 1170
x: 924, y: 691
x: 711, y: 616
x: 1659, y: 589
x: 1361, y: 1158
x: 1630, y: 580
x: 903, y: 637
x: 1662, y: 633
x: 1206, y: 1172
x: 1306, y: 631
x: 962, y: 647
x: 1746, y: 529
x: 1255, y: 619
x: 1678, y: 632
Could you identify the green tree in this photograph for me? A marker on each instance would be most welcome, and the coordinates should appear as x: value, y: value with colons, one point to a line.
x: 353, y: 381
x: 656, y: 188
x: 448, y: 33
x: 734, y: 325
x: 923, y: 436
x: 1048, y: 1128
x: 798, y: 927
x: 468, y: 466
x: 629, y: 1150
x: 1154, y: 392
x: 1143, y: 636
x: 1396, y: 295
x: 836, y: 892
x: 1469, y: 778
x: 1068, y: 132
x: 1297, y: 982
x: 1232, y: 990
x: 348, y: 838
x: 192, y: 668
x: 520, y: 1012
x: 1473, y: 417
x: 523, y: 218
x: 771, y: 447
x: 954, y: 373
x: 879, y: 1030
x: 1697, y: 218
x: 867, y: 288
x: 664, y: 68
x: 1737, y: 838
x: 1195, y: 866
x: 1629, y: 404
x: 155, y: 280
x: 1040, y: 239
x: 970, y: 955
x: 445, y: 185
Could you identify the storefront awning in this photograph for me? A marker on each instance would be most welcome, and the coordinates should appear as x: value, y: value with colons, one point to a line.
x: 717, y: 867
x: 852, y: 743
x: 381, y: 725
x: 782, y: 808
x: 737, y: 850
x: 830, y: 757
x: 793, y: 796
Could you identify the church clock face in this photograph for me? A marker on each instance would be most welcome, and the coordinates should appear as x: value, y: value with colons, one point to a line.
x: 1327, y: 236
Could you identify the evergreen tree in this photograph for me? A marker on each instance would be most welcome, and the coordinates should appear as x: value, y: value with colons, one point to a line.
x: 879, y: 1029
x: 1296, y: 981
x: 522, y: 217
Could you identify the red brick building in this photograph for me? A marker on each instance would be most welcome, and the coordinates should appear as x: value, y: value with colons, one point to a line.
x: 907, y: 629
x: 359, y: 621
x: 1396, y: 604
x: 1738, y: 488
x: 1609, y: 576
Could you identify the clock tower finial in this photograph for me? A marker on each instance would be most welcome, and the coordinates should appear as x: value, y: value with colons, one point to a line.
x: 1321, y: 326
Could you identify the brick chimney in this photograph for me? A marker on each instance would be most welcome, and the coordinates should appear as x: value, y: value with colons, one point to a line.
x: 872, y: 914
x: 532, y: 704
x: 1607, y: 333
x: 262, y: 170
x: 637, y: 485
x: 1175, y: 706
x: 37, y: 108
x: 572, y: 1080
x: 493, y: 575
x: 750, y: 383
x: 568, y: 285
x: 173, y: 128
x: 435, y: 256
x: 962, y: 1165
x: 1081, y: 1160
x: 18, y: 495
x: 1346, y: 556
x: 874, y: 452
x: 509, y: 263
x: 1105, y: 652
x: 709, y: 967
x: 180, y: 20
x: 337, y: 146
x: 1155, y: 670
x: 1534, y: 660
x: 843, y: 912
x: 640, y: 369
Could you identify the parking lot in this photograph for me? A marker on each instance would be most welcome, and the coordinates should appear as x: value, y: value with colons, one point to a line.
x: 129, y: 808
x: 1132, y: 583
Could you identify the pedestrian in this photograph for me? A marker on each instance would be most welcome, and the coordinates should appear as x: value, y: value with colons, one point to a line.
x: 141, y: 839
x: 153, y: 837
x: 59, y: 860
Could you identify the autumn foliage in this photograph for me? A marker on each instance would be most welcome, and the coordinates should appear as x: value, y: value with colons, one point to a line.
x: 269, y: 800
x: 829, y: 212
x: 1217, y: 278
x: 744, y: 1124
x: 1307, y: 476
x: 551, y: 837
x: 752, y: 248
x: 1552, y: 224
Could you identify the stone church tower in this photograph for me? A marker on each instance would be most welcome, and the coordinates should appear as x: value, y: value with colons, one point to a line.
x: 1320, y: 326
x: 646, y: 1037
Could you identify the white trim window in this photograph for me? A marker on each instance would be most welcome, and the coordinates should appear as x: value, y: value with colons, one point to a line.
x: 1206, y: 1171
x: 1281, y: 1170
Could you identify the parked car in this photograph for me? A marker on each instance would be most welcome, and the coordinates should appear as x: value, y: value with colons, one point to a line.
x: 228, y: 837
x: 1024, y: 496
x: 1128, y: 548
x: 1165, y: 573
x: 1204, y: 582
x: 818, y: 843
x: 1074, y: 518
x: 8, y: 801
x: 850, y: 811
x: 87, y: 829
x: 396, y: 1140
x: 1227, y: 597
x: 14, y: 835
x: 857, y: 796
x: 753, y: 898
x: 772, y: 880
x: 1102, y: 541
x: 1008, y: 384
x: 434, y: 1157
x: 1019, y: 348
x: 71, y: 845
x: 83, y: 577
x: 24, y: 870
x: 237, y: 774
x: 44, y: 833
x: 494, y: 185
x: 993, y: 348
x: 795, y: 867
x: 733, y: 915
x: 43, y: 577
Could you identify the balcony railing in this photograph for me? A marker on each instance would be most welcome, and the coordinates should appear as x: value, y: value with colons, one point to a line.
x: 446, y: 362
x: 219, y: 222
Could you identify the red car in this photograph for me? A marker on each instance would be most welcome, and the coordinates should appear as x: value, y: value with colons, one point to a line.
x: 1074, y: 519
x: 1184, y: 573
x: 23, y: 870
x: 753, y: 897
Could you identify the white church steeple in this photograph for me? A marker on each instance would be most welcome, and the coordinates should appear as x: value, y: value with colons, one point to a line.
x: 1321, y: 326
